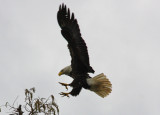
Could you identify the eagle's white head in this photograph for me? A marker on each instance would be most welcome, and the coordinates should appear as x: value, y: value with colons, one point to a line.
x: 65, y: 71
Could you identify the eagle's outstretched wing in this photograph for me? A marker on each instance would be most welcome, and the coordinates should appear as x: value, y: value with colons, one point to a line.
x: 77, y: 46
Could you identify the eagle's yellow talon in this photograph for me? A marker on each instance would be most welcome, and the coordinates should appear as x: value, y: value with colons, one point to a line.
x: 64, y: 84
x: 64, y: 94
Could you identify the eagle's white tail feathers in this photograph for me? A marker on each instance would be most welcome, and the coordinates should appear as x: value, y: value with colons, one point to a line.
x: 100, y: 84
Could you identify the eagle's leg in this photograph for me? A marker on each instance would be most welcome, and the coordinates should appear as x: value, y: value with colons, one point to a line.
x: 65, y: 84
x: 65, y: 94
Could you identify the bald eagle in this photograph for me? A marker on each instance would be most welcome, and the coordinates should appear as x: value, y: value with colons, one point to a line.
x: 80, y: 65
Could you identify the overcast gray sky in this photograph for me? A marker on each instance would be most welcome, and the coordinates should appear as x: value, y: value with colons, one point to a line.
x: 123, y: 39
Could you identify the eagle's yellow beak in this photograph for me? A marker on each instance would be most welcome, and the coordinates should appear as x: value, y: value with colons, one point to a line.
x: 60, y: 73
